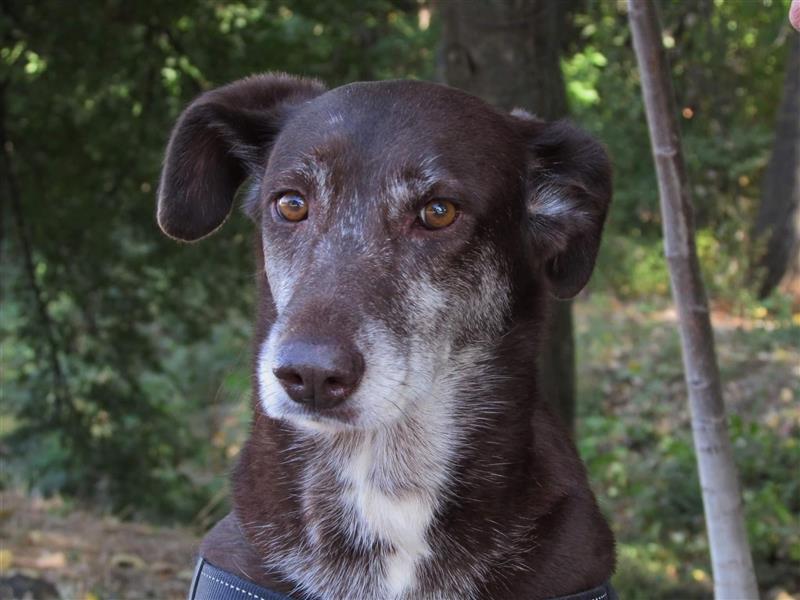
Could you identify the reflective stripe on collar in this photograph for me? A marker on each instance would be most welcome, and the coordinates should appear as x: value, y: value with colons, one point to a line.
x: 212, y: 583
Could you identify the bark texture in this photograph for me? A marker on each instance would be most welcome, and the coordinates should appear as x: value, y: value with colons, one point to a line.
x: 778, y: 220
x: 508, y: 52
x: 722, y: 501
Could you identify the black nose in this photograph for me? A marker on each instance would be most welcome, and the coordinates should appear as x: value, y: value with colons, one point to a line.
x: 319, y: 373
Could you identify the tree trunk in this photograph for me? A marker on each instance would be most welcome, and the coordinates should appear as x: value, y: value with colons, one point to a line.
x: 778, y: 220
x: 508, y: 52
x: 722, y: 501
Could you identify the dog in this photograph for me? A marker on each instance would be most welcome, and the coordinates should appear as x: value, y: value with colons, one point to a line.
x: 409, y: 239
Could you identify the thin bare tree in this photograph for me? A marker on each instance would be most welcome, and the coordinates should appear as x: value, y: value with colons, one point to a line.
x: 734, y: 577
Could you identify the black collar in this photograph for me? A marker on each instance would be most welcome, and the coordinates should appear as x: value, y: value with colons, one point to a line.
x: 212, y: 583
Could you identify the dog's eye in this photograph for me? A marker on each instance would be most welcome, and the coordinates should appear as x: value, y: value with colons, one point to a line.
x: 438, y: 214
x: 292, y: 207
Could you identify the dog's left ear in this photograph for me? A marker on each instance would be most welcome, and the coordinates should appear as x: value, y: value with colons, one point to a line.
x: 219, y: 140
x: 568, y: 187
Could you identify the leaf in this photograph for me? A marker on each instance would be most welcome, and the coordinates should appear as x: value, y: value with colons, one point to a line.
x: 6, y: 559
x: 127, y: 562
x: 51, y: 560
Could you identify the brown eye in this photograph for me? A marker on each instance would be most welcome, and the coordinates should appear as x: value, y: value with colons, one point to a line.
x: 292, y: 207
x: 438, y: 214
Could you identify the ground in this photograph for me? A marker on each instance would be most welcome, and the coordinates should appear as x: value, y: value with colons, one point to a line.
x: 90, y: 556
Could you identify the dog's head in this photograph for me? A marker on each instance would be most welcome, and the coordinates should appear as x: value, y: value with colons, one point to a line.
x: 404, y: 226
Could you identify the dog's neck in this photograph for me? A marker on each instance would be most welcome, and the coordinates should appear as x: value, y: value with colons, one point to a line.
x: 442, y: 504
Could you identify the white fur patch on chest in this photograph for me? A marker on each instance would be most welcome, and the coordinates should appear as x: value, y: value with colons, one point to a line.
x: 399, y: 520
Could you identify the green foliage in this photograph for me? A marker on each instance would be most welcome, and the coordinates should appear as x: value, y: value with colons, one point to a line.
x: 88, y: 100
x: 728, y: 63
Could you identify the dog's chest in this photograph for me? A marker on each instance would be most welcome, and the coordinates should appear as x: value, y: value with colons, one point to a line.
x: 369, y: 509
x: 398, y: 520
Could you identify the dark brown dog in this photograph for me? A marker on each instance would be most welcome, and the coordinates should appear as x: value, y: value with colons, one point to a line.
x: 409, y: 235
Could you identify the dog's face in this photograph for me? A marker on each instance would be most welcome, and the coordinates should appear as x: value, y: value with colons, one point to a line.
x: 403, y: 226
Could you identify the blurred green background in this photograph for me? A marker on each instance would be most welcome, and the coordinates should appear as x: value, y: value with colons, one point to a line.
x: 125, y: 356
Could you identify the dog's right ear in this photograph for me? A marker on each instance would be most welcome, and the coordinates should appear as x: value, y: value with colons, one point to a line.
x: 220, y: 139
x: 568, y: 195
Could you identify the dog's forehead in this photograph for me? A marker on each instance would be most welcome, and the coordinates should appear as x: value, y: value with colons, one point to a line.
x: 381, y: 127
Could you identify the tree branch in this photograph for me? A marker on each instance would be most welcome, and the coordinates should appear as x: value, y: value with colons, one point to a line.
x: 730, y: 552
x: 60, y: 389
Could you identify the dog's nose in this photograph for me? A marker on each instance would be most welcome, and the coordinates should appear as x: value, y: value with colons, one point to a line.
x: 319, y: 374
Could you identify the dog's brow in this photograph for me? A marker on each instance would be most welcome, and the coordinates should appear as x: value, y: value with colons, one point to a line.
x: 316, y: 172
x: 412, y: 182
x: 309, y: 171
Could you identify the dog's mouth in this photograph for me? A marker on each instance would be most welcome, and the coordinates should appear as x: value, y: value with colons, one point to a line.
x: 326, y: 420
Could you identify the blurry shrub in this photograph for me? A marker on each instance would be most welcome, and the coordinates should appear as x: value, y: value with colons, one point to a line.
x: 716, y: 50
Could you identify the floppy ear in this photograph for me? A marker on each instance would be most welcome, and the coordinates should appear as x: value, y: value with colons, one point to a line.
x: 220, y: 139
x: 568, y: 191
